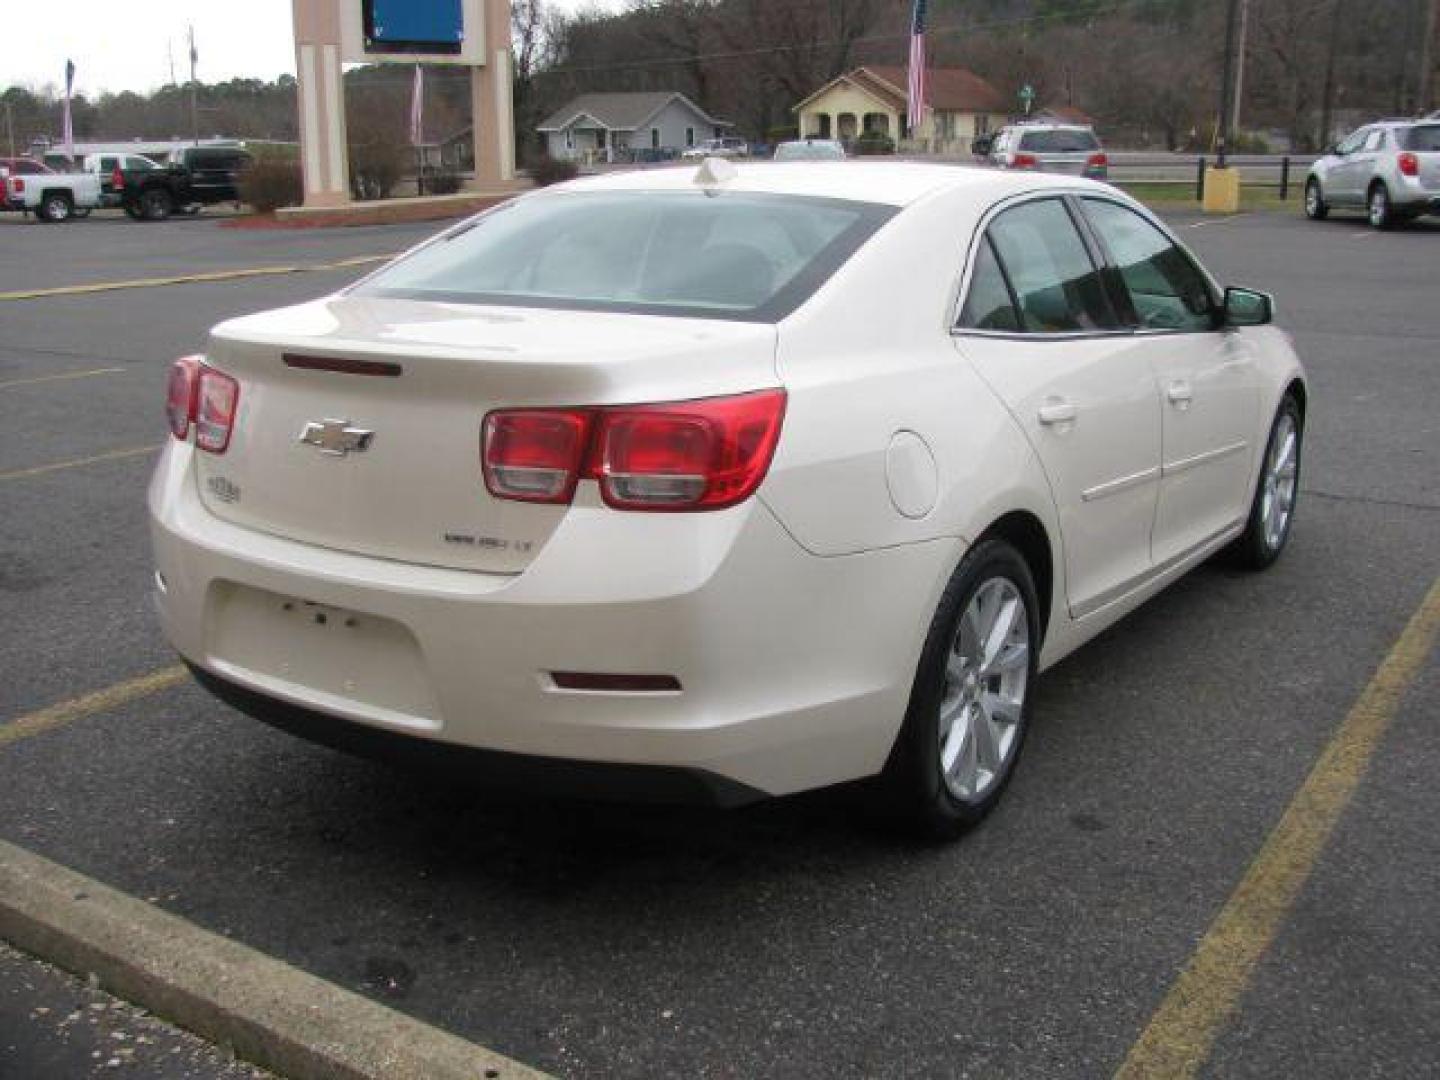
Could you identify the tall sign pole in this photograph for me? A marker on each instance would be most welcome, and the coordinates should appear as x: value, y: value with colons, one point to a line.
x: 1227, y: 84
x: 322, y: 102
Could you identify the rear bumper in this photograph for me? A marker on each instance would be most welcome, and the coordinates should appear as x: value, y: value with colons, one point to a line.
x: 795, y: 670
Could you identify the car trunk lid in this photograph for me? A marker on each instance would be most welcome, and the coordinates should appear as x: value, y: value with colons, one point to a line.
x: 359, y: 418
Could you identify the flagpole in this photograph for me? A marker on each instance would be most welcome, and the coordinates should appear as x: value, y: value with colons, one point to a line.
x: 194, y: 95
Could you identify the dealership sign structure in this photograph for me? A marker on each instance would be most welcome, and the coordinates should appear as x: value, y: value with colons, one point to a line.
x: 331, y: 33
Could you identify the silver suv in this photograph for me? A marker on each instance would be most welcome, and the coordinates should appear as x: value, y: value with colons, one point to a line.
x: 1056, y: 148
x: 1390, y: 169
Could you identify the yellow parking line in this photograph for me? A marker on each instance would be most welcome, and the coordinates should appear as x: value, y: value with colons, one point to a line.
x: 184, y: 279
x: 60, y: 378
x: 109, y: 455
x: 109, y: 698
x: 1179, y: 1037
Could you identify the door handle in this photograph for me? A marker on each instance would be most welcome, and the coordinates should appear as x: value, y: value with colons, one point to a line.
x: 1180, y: 394
x: 1058, y: 412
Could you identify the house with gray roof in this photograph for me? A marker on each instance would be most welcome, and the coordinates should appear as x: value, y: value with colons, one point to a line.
x: 613, y: 126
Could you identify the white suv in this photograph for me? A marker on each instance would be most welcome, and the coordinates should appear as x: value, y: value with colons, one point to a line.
x: 1390, y: 169
x: 726, y: 147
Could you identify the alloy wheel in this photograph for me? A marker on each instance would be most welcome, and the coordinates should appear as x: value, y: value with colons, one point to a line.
x: 987, y: 672
x: 1282, y: 469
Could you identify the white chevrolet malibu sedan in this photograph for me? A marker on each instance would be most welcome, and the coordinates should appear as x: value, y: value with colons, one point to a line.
x: 721, y: 482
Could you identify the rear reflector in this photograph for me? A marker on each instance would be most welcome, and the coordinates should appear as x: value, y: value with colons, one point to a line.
x: 215, y: 406
x: 604, y: 682
x: 689, y: 455
x: 1409, y: 164
x: 180, y: 393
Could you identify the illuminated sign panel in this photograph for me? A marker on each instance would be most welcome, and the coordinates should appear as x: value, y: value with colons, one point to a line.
x: 421, y: 27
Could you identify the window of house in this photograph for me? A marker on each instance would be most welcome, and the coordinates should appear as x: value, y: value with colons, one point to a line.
x: 569, y: 139
x: 654, y: 138
x: 689, y: 136
x: 1166, y: 289
x: 1056, y: 284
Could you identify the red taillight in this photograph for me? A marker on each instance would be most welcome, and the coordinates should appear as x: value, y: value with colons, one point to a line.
x: 535, y: 455
x: 1409, y: 164
x: 17, y: 185
x: 215, y: 403
x: 1097, y: 161
x: 117, y: 179
x: 180, y: 395
x: 1024, y: 161
x: 691, y: 455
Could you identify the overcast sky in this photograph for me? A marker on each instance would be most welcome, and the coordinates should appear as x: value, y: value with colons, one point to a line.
x: 122, y: 44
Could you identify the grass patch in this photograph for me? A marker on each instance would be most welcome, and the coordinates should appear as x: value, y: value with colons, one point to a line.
x: 1182, y: 196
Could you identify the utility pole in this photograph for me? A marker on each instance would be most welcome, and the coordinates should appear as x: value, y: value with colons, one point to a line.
x: 1327, y: 97
x: 1426, y: 85
x: 1240, y: 66
x: 194, y: 91
x: 10, y: 125
x: 170, y: 53
x: 1227, y: 83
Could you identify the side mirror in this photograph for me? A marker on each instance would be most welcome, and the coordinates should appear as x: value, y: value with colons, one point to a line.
x: 1248, y: 307
x: 1333, y: 150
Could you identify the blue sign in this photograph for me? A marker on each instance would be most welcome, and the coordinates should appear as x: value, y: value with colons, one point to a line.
x: 414, y: 26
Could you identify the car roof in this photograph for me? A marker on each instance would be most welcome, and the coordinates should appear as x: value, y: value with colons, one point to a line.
x: 892, y: 183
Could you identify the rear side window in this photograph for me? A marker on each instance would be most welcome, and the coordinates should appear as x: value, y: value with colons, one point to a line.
x: 988, y: 305
x: 1424, y: 139
x: 1050, y: 269
x: 1060, y: 141
x: 742, y: 256
x: 1166, y: 289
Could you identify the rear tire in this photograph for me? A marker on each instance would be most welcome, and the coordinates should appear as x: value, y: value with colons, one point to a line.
x: 1315, y: 208
x: 1378, y: 209
x: 55, y: 207
x: 1272, y: 511
x: 970, y: 704
x: 156, y: 204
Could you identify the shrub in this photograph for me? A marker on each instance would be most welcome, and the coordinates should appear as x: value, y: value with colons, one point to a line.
x: 547, y: 170
x: 272, y: 182
x: 443, y: 182
x: 873, y: 142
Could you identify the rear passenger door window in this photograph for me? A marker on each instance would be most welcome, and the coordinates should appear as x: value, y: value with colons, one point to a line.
x: 1056, y: 286
x: 1167, y: 290
x: 989, y: 304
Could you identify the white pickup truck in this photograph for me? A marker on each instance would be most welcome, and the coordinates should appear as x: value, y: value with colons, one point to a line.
x: 54, y: 196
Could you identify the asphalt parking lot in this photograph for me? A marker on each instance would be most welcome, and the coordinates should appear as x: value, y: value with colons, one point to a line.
x: 794, y: 938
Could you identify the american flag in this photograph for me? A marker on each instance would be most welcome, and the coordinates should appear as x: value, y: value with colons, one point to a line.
x: 417, y: 108
x: 919, y: 88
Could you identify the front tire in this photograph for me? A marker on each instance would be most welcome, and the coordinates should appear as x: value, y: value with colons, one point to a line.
x: 1315, y: 208
x: 1378, y: 209
x: 1272, y: 511
x: 969, y: 706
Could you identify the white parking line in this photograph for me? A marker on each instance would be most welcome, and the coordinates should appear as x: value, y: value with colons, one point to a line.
x: 8, y: 383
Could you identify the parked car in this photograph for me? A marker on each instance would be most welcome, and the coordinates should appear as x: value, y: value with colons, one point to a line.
x: 53, y: 196
x: 810, y: 150
x: 17, y: 166
x: 726, y: 147
x: 195, y: 176
x: 981, y: 145
x: 1056, y: 148
x: 1390, y: 169
x: 808, y: 487
x: 111, y: 169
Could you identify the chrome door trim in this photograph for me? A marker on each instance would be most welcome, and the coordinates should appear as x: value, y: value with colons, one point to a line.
x: 1124, y: 483
x: 1173, y: 468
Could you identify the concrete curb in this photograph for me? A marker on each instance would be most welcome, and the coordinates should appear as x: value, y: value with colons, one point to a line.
x: 270, y: 1013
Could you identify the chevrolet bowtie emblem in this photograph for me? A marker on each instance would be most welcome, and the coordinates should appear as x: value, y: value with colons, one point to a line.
x: 336, y: 437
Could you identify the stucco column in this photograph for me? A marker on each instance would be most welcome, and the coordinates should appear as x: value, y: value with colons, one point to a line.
x: 323, y: 155
x: 492, y: 109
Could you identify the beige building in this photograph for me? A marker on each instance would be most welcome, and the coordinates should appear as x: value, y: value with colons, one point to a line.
x: 872, y: 99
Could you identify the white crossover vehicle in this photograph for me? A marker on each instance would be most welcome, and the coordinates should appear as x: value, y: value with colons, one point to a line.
x: 721, y: 482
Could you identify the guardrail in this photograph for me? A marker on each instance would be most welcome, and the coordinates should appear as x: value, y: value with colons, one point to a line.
x: 1278, y: 171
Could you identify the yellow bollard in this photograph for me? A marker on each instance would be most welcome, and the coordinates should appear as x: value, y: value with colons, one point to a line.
x: 1222, y: 191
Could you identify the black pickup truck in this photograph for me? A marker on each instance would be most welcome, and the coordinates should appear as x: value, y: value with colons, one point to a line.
x: 196, y: 176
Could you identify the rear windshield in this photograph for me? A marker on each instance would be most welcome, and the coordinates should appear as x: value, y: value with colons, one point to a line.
x: 809, y: 152
x: 732, y: 255
x: 1061, y: 141
x: 1422, y: 139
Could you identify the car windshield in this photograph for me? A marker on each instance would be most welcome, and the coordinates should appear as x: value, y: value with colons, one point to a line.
x: 808, y: 152
x: 1060, y: 141
x: 740, y: 256
x: 1422, y: 139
